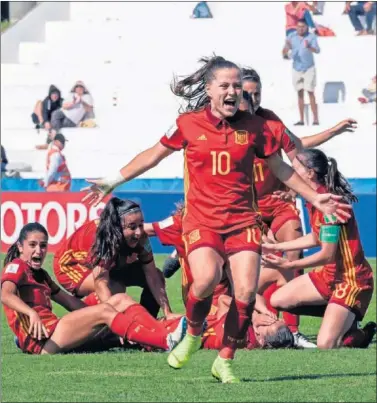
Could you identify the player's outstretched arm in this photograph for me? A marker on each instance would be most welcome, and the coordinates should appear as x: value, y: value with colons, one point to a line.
x: 327, y: 203
x: 325, y: 255
x: 345, y: 126
x: 304, y: 242
x: 142, y: 163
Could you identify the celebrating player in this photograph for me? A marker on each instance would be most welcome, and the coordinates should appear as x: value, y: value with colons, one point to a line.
x: 221, y: 220
x: 277, y: 207
x: 26, y: 293
x: 345, y: 280
x: 107, y: 255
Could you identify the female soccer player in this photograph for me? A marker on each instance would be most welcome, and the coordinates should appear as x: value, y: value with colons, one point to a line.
x: 221, y: 220
x: 26, y: 293
x: 106, y: 255
x: 345, y: 280
x: 277, y: 207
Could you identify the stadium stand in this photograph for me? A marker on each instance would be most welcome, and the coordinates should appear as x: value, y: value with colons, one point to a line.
x: 96, y: 42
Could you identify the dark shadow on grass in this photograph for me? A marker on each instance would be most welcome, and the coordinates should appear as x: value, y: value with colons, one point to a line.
x: 300, y: 377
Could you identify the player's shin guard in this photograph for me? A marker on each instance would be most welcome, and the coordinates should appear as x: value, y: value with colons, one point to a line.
x: 197, y: 310
x: 236, y: 324
x: 138, y: 326
x: 292, y: 321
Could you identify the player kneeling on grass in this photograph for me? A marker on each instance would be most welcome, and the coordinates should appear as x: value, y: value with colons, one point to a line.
x: 343, y: 284
x: 26, y: 293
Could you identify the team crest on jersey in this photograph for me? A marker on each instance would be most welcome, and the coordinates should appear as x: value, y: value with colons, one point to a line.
x: 172, y: 129
x: 12, y: 268
x: 194, y: 236
x: 241, y: 137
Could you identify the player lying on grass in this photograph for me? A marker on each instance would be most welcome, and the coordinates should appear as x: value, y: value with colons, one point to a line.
x: 344, y: 281
x: 27, y: 291
x: 105, y: 256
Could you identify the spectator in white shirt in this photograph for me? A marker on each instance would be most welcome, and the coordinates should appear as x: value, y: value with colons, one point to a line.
x: 73, y: 112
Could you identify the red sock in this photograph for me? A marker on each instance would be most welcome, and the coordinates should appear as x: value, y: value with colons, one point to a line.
x: 137, y: 325
x: 237, y: 322
x: 292, y: 321
x: 267, y: 296
x: 197, y: 310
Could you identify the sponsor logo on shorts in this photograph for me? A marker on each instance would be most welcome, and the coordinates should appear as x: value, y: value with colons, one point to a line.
x: 203, y: 137
x: 241, y: 137
x: 194, y: 236
x: 12, y: 268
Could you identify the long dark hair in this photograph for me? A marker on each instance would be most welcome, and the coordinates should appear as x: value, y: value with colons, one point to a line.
x: 13, y: 252
x: 109, y: 235
x: 327, y: 172
x: 193, y: 87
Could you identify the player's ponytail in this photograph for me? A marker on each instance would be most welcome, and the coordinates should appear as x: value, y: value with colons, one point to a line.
x: 193, y: 87
x: 327, y: 173
x: 109, y: 236
x: 14, y: 252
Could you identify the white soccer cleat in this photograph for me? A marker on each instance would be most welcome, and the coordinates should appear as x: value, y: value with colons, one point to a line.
x: 178, y: 334
x: 302, y: 341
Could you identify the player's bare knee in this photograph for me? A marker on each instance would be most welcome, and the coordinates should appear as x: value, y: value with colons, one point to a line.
x: 326, y: 342
x: 106, y: 313
x: 120, y: 302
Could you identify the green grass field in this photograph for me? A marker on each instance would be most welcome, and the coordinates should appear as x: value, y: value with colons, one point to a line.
x: 119, y: 376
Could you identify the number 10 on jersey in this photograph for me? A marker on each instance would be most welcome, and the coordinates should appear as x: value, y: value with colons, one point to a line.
x: 220, y: 162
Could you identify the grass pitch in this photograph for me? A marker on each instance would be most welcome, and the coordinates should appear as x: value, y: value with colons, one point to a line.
x: 119, y: 376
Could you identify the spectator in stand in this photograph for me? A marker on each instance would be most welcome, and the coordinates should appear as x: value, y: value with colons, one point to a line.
x: 369, y: 92
x: 75, y: 111
x: 296, y: 11
x: 58, y: 177
x: 43, y: 109
x: 302, y: 45
x: 362, y: 8
x: 201, y: 10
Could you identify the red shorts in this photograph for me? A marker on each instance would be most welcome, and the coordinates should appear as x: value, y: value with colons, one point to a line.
x: 278, y: 213
x: 355, y: 297
x: 248, y: 238
x: 69, y: 272
x: 26, y: 342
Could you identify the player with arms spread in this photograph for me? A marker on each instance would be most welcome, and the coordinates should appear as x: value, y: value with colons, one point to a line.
x: 27, y: 291
x: 345, y: 280
x: 221, y: 220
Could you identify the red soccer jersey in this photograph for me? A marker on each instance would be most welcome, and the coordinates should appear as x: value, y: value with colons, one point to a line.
x: 218, y: 174
x: 350, y: 263
x: 34, y: 287
x: 77, y: 247
x: 265, y: 181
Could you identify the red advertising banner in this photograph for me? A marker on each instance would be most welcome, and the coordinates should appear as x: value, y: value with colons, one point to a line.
x: 60, y: 213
